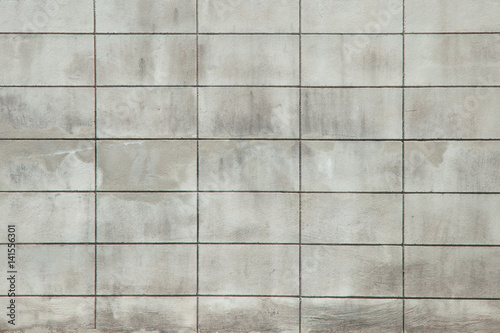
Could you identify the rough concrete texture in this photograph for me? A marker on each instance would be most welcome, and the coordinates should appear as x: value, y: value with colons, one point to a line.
x: 223, y: 166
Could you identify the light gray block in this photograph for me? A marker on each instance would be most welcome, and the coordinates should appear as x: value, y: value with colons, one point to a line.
x: 53, y: 270
x: 59, y: 314
x: 146, y: 165
x: 155, y: 314
x: 47, y: 165
x: 146, y: 60
x: 452, y: 219
x: 248, y: 314
x: 249, y: 165
x: 351, y: 218
x: 47, y: 113
x: 146, y: 112
x: 248, y: 60
x: 249, y: 112
x: 452, y: 113
x: 452, y: 271
x: 351, y: 166
x: 452, y: 166
x: 351, y: 315
x: 249, y: 269
x: 452, y: 59
x: 267, y: 16
x: 146, y: 16
x: 351, y: 60
x: 146, y: 269
x: 146, y: 217
x: 249, y: 217
x: 351, y: 113
x: 351, y: 270
x: 46, y: 60
x: 49, y: 217
x: 354, y: 16
x: 452, y: 16
x: 447, y: 316
x: 47, y: 16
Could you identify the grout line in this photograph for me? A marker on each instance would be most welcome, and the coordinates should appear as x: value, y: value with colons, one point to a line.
x: 95, y: 167
x: 197, y: 170
x: 252, y: 86
x: 250, y: 191
x: 252, y: 244
x: 253, y: 33
x: 403, y: 78
x: 252, y: 139
x: 408, y: 297
x: 443, y: 298
x: 300, y: 166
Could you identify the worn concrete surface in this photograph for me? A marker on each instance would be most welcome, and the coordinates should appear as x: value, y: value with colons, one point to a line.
x: 31, y: 59
x: 351, y: 315
x: 351, y: 271
x: 351, y: 218
x: 44, y: 217
x: 146, y: 217
x: 249, y: 113
x: 146, y: 270
x: 249, y: 269
x: 351, y: 113
x: 249, y: 217
x: 146, y: 113
x: 248, y: 60
x: 351, y: 60
x: 46, y: 113
x: 351, y: 166
x: 251, y: 165
x: 146, y: 165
